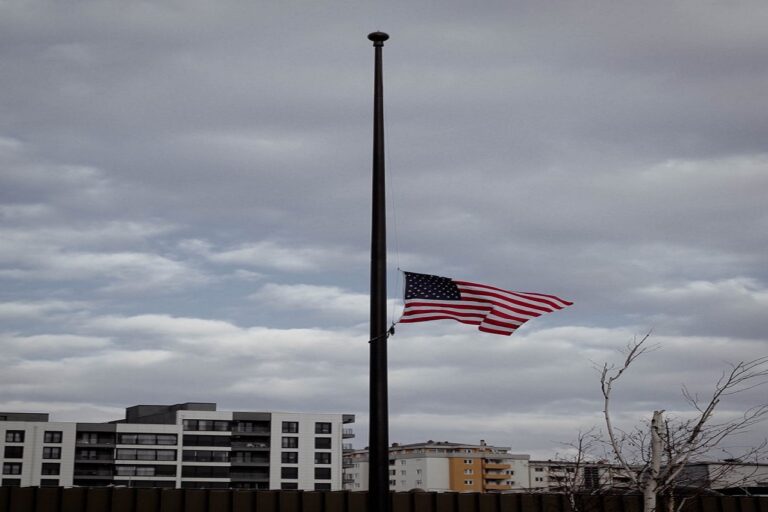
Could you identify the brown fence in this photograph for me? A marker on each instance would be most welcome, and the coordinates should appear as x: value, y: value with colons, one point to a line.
x: 80, y: 499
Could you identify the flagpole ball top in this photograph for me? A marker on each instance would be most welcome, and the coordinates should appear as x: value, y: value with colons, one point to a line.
x: 378, y: 38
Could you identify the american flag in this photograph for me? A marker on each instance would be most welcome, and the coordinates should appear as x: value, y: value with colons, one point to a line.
x: 492, y: 309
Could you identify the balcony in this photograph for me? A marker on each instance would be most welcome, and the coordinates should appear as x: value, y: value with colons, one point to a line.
x: 347, y: 433
x: 497, y: 465
x: 498, y: 487
x: 347, y: 447
x: 495, y: 476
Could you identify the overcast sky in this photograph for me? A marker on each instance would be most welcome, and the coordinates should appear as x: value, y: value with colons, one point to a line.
x: 185, y: 203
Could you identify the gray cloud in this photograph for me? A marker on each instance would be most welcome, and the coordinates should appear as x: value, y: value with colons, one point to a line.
x: 184, y: 205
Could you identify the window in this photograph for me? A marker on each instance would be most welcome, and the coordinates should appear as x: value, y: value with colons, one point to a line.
x: 322, y: 473
x: 52, y: 436
x: 323, y: 443
x: 211, y: 441
x: 208, y: 425
x: 402, y: 472
x: 12, y: 468
x: 14, y: 452
x: 204, y: 471
x: 322, y: 457
x: 14, y: 436
x: 147, y: 439
x: 289, y: 457
x: 51, y: 452
x: 467, y: 461
x: 289, y: 472
x: 538, y: 470
x: 289, y: 486
x: 204, y: 456
x: 290, y: 427
x: 322, y: 427
x: 11, y: 482
x: 49, y: 482
x: 322, y: 486
x: 469, y: 482
x: 469, y: 471
x: 290, y: 442
x: 50, y: 468
x: 132, y: 454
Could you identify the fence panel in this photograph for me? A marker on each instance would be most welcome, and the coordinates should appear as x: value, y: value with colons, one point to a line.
x: 22, y: 499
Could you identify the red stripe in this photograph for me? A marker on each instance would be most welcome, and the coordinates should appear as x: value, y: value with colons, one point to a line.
x: 494, y: 331
x: 499, y: 323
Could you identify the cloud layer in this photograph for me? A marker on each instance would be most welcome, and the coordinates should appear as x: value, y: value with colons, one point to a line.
x: 184, y: 206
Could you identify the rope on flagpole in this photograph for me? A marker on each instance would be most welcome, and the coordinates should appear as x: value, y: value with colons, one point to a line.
x: 387, y: 334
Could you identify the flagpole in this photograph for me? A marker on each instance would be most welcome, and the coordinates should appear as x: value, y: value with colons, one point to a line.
x: 378, y: 438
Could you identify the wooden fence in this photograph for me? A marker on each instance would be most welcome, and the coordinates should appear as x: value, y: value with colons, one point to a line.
x: 80, y: 499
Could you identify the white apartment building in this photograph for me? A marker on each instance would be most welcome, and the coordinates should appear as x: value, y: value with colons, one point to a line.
x: 190, y: 445
x: 564, y: 476
x: 443, y: 466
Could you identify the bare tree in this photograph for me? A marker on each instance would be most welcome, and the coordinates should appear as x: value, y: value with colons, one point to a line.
x: 655, y: 455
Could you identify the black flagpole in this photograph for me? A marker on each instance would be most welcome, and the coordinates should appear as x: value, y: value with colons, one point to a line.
x: 378, y: 437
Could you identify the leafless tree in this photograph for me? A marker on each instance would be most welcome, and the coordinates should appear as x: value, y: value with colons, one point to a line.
x: 654, y: 455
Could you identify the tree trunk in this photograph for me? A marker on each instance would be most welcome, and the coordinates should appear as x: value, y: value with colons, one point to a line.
x: 651, y: 484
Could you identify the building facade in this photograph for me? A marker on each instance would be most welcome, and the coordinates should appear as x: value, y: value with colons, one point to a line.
x: 189, y: 445
x: 443, y: 466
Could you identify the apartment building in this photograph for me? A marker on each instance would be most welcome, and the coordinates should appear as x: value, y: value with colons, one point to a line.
x: 565, y: 476
x: 189, y: 445
x: 443, y: 466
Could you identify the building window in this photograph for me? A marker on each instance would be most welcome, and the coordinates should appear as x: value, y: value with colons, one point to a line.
x: 322, y: 457
x: 469, y: 471
x: 190, y: 440
x: 50, y: 468
x: 289, y: 486
x: 51, y: 452
x: 147, y: 439
x: 11, y: 482
x: 12, y: 468
x: 323, y: 443
x: 319, y: 486
x: 131, y: 454
x: 49, y: 482
x: 322, y: 427
x: 14, y: 436
x: 289, y: 457
x: 290, y: 427
x: 289, y: 472
x: 322, y: 473
x: 204, y: 471
x: 14, y: 452
x: 52, y: 436
x: 469, y: 482
x: 538, y: 470
x: 290, y: 442
x: 205, y: 456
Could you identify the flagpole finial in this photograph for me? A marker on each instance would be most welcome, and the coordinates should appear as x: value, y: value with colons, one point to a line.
x: 378, y: 38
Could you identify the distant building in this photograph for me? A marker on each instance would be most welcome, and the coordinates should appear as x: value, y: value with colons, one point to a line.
x: 443, y: 466
x: 567, y: 476
x: 728, y: 477
x: 189, y: 445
